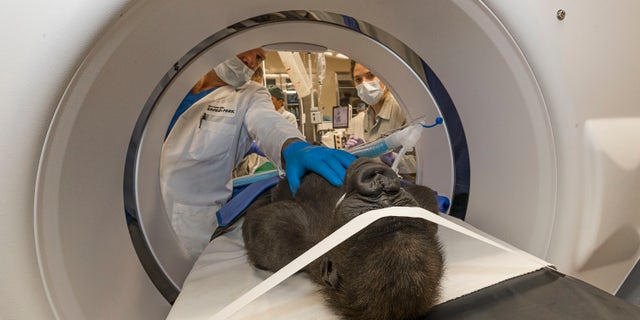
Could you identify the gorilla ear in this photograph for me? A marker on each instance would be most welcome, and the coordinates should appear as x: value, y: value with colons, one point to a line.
x: 329, y: 273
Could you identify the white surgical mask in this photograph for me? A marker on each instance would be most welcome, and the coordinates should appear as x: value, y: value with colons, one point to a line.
x: 234, y: 72
x: 370, y: 92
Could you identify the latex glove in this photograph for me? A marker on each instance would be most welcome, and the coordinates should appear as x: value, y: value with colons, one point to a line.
x: 388, y: 158
x: 301, y: 157
x: 353, y: 141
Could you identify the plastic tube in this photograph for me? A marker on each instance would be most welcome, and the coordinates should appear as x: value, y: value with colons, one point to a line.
x: 249, y: 179
x: 406, y: 138
x: 370, y: 150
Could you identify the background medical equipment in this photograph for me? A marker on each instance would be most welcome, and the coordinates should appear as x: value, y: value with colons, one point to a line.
x: 86, y: 145
x: 337, y: 138
x: 341, y: 116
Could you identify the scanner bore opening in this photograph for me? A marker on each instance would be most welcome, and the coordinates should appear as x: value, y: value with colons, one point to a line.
x: 145, y: 250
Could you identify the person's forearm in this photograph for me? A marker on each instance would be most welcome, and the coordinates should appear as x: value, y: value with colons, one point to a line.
x: 284, y: 146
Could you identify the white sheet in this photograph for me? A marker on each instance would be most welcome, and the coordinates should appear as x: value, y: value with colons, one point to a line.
x: 221, y: 274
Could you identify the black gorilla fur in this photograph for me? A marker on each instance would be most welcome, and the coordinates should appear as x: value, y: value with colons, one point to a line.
x: 389, y: 270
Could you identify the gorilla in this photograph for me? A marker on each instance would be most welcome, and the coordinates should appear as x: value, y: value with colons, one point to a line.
x: 389, y: 270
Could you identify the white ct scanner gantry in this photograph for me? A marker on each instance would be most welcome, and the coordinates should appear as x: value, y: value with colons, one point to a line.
x: 546, y: 102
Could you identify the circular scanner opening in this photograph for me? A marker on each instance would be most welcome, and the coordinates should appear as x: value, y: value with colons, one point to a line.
x: 83, y: 245
x: 413, y: 83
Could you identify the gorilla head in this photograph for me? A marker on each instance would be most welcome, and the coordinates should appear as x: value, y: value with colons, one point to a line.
x: 369, y: 185
x: 389, y: 270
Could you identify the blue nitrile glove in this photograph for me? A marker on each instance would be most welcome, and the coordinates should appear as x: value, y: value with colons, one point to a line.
x: 301, y: 157
x: 388, y: 158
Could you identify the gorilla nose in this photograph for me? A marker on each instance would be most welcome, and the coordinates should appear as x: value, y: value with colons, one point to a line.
x: 376, y: 178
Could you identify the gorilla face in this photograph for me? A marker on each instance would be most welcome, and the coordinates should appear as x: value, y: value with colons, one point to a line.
x: 370, y: 185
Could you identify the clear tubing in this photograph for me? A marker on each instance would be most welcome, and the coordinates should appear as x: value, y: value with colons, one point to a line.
x: 406, y: 138
x: 371, y: 150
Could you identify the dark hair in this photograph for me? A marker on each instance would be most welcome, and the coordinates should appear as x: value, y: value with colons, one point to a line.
x: 258, y: 73
x: 353, y: 65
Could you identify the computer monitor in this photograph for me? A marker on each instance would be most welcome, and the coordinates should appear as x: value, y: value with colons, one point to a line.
x: 340, y: 117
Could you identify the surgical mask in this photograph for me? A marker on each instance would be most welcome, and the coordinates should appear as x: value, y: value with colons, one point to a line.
x: 234, y: 72
x: 370, y: 92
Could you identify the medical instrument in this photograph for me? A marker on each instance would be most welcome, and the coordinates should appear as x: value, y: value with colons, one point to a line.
x: 404, y: 138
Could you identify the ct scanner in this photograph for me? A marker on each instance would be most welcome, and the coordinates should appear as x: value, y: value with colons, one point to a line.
x: 545, y: 92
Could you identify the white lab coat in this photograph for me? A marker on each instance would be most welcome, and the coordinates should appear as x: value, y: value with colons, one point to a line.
x: 205, y: 144
x: 289, y: 116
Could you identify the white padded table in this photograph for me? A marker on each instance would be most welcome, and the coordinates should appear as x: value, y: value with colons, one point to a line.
x: 222, y: 274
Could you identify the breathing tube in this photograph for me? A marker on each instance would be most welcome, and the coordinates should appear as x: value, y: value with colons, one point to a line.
x: 406, y: 138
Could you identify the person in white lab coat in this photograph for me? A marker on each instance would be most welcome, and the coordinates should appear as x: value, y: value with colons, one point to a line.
x: 211, y: 132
